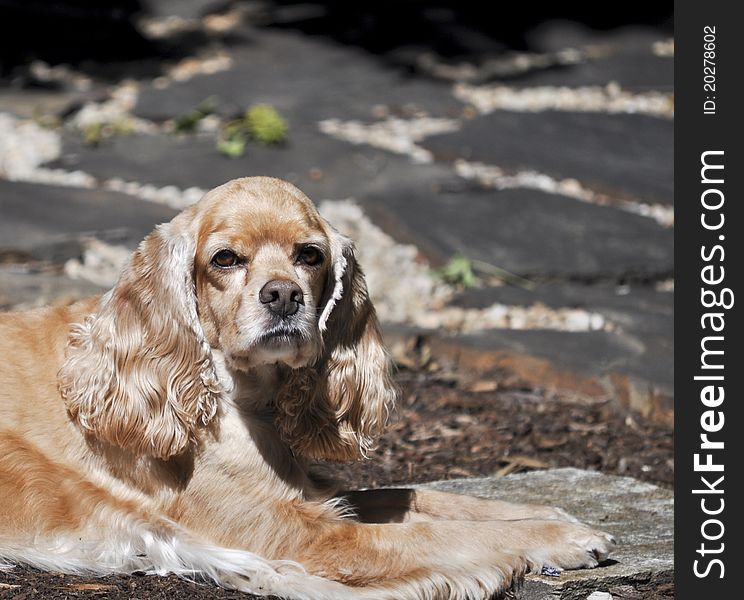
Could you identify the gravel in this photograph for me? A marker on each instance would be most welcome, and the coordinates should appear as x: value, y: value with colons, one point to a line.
x: 24, y: 146
x: 608, y: 99
x: 493, y: 176
x: 115, y: 110
x: 392, y: 134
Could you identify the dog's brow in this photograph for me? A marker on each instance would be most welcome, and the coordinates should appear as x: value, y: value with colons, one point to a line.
x: 320, y: 241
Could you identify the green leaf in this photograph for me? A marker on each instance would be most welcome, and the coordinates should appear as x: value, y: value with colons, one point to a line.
x: 232, y: 147
x: 187, y: 122
x: 93, y: 134
x: 265, y: 124
x: 459, y: 271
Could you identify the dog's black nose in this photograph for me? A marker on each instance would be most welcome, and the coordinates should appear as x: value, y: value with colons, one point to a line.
x: 281, y: 297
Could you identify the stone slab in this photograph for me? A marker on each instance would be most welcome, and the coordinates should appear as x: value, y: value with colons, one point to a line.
x: 641, y: 344
x: 635, y: 309
x: 184, y: 9
x: 552, y: 35
x: 602, y: 295
x: 635, y: 73
x: 624, y: 156
x: 21, y: 290
x: 49, y: 223
x: 634, y: 372
x: 640, y: 515
x: 631, y: 363
x: 524, y: 231
x: 33, y: 102
x: 306, y: 79
x: 590, y: 353
x: 321, y: 166
x: 623, y: 55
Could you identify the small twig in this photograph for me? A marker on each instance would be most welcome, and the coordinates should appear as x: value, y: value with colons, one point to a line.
x: 503, y: 274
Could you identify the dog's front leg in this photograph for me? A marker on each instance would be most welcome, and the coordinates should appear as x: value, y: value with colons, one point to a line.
x: 404, y: 505
x: 454, y: 556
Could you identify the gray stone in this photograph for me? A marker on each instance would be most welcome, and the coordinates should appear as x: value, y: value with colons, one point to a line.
x: 636, y: 73
x: 624, y: 156
x: 599, y: 295
x: 523, y: 231
x: 306, y: 79
x: 642, y: 319
x: 623, y: 55
x: 33, y: 102
x: 185, y: 9
x: 592, y: 355
x: 557, y: 34
x: 321, y: 166
x: 50, y: 223
x: 21, y: 290
x: 640, y: 515
x: 630, y: 361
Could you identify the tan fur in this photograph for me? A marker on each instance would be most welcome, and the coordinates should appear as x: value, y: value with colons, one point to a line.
x: 162, y: 405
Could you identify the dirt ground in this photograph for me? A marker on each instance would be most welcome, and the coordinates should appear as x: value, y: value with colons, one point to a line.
x: 448, y: 429
x: 445, y: 428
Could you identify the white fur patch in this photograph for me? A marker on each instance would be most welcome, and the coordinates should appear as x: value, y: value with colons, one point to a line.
x: 139, y: 547
x: 339, y: 268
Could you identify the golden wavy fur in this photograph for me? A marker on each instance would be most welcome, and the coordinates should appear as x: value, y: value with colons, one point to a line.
x: 169, y: 425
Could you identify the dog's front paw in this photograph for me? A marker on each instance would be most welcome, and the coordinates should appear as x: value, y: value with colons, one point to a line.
x: 574, y: 546
x: 595, y: 547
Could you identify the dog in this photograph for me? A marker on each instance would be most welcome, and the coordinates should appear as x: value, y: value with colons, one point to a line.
x: 170, y: 425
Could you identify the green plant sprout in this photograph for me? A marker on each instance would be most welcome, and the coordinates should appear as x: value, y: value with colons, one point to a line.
x: 260, y: 122
x: 265, y: 124
x: 461, y: 271
x: 187, y: 122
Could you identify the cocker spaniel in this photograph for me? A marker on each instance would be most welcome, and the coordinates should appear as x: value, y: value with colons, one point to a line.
x: 168, y: 425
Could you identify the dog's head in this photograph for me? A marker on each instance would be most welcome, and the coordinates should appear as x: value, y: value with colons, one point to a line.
x: 263, y: 272
x: 253, y: 271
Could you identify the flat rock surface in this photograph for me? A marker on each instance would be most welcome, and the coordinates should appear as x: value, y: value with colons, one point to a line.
x: 29, y: 103
x: 637, y: 72
x: 641, y: 321
x: 185, y: 9
x: 525, y: 231
x: 321, y: 166
x: 615, y: 154
x: 604, y: 295
x: 625, y: 56
x: 50, y: 223
x: 571, y: 362
x: 640, y: 515
x: 24, y: 290
x: 304, y: 78
x: 557, y: 34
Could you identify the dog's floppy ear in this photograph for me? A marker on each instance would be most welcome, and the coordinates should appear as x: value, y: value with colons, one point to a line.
x: 138, y: 372
x: 336, y: 408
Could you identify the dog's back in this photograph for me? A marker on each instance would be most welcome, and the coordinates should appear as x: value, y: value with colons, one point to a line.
x: 32, y: 346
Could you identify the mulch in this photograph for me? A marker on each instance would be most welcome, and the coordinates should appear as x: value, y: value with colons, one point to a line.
x: 445, y: 427
x: 448, y: 428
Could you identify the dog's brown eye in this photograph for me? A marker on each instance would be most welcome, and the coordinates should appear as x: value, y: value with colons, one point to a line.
x: 310, y: 256
x: 225, y: 259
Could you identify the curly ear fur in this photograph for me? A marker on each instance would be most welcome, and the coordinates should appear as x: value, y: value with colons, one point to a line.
x: 336, y: 408
x: 138, y: 372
